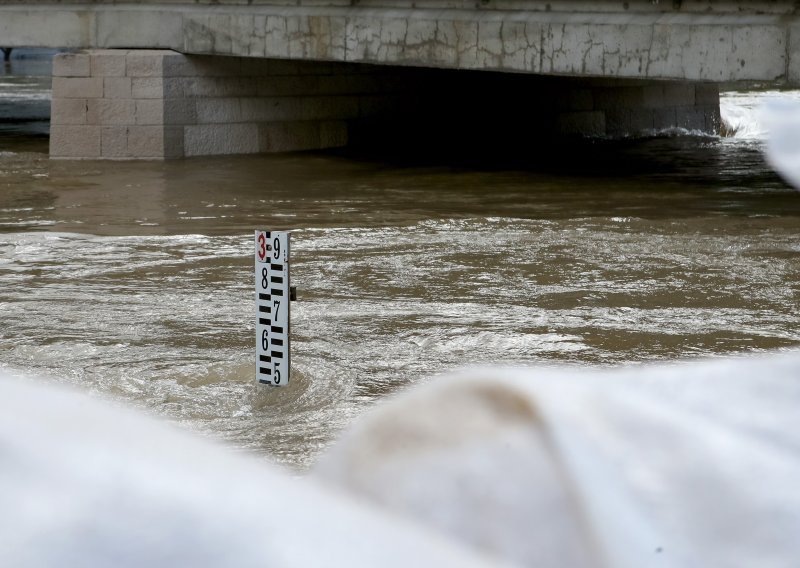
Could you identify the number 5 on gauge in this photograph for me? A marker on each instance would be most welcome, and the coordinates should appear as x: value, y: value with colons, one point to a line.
x: 272, y: 307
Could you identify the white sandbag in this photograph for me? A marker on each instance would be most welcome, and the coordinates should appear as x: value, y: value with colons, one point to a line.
x: 692, y: 464
x: 87, y: 484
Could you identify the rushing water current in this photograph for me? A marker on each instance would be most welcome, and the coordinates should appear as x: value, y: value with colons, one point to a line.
x: 135, y: 279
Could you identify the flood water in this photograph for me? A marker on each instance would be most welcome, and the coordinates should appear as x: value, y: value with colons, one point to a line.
x: 134, y: 280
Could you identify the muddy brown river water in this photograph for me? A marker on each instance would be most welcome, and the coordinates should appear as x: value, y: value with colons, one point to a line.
x: 135, y: 279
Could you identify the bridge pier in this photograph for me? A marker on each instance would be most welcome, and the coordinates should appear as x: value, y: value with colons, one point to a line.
x: 157, y: 104
x: 140, y: 104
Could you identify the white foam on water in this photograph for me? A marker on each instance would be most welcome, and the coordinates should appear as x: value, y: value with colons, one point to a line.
x: 744, y: 111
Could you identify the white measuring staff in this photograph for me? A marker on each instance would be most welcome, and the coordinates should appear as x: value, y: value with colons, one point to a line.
x: 272, y: 307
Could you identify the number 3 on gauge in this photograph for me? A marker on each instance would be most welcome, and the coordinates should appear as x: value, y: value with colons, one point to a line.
x: 262, y: 247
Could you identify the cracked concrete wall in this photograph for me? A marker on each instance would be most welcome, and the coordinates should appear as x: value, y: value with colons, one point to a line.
x: 697, y: 47
x: 698, y: 40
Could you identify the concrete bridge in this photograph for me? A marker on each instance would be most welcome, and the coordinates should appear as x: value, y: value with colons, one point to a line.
x: 184, y: 78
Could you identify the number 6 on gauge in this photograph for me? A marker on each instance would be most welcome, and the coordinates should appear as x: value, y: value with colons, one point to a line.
x: 272, y: 307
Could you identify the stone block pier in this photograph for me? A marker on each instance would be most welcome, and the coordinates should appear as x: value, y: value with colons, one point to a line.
x: 128, y: 104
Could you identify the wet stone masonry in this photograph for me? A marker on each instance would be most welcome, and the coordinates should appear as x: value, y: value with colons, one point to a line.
x: 161, y: 104
x: 156, y: 104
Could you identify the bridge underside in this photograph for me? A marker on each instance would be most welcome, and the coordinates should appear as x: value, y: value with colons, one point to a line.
x: 701, y: 40
x: 134, y: 104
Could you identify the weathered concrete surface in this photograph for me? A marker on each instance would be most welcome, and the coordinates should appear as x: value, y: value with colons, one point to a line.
x: 699, y: 40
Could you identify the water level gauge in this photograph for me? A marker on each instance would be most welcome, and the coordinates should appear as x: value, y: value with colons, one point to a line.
x: 272, y: 307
